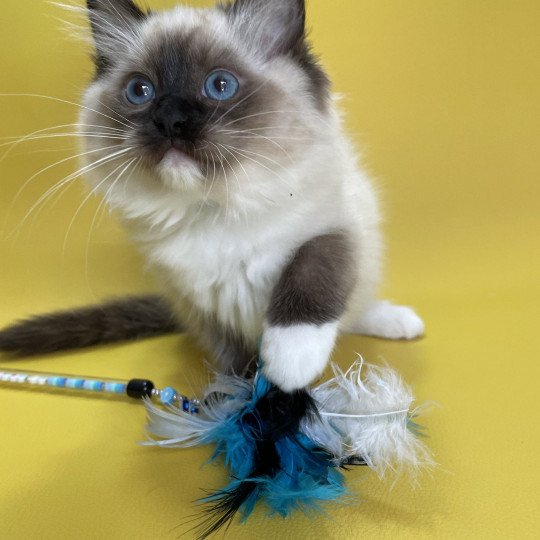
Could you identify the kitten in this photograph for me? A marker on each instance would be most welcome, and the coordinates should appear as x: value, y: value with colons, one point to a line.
x: 225, y: 157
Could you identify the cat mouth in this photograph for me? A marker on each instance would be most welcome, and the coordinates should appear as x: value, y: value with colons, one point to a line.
x: 176, y: 157
x: 176, y: 154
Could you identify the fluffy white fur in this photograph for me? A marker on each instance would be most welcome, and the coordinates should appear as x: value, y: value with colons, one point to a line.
x: 296, y: 355
x: 224, y: 245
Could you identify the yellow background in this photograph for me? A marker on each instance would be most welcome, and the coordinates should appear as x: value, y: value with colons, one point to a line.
x: 443, y: 98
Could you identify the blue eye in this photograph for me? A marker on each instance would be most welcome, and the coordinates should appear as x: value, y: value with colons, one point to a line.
x: 140, y: 91
x: 221, y: 85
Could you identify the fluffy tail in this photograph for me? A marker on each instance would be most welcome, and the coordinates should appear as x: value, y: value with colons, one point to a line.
x: 117, y: 320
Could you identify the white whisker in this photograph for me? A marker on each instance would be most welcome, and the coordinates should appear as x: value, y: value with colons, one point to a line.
x: 206, y: 195
x: 49, y: 167
x: 58, y: 100
x: 85, y: 200
x: 122, y: 117
x: 213, y: 180
x: 250, y: 134
x: 139, y: 161
x: 273, y: 161
x: 255, y: 115
x: 62, y: 126
x: 213, y: 113
x: 102, y: 204
x: 226, y: 180
x: 238, y: 103
x: 242, y: 154
x: 70, y: 178
x: 24, y: 138
x: 269, y: 139
x: 242, y: 167
x: 66, y: 135
x: 264, y: 128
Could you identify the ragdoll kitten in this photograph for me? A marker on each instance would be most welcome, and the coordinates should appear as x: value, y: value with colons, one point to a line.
x: 223, y: 154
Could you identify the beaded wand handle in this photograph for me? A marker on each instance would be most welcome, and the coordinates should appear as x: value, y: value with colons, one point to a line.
x: 134, y: 388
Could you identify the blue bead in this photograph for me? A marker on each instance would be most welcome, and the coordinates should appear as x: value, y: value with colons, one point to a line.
x: 168, y: 396
x: 94, y: 386
x: 75, y: 383
x: 185, y: 404
x: 115, y: 388
x: 57, y: 381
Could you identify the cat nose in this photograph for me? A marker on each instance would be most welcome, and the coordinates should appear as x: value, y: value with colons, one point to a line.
x: 176, y: 118
x: 170, y: 123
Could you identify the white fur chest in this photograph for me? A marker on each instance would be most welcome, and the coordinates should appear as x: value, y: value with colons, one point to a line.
x: 226, y: 272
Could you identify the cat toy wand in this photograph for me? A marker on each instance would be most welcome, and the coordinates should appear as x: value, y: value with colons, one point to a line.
x: 288, y: 450
x: 134, y: 388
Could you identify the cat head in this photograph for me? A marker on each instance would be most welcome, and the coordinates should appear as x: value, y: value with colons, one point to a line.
x: 202, y: 102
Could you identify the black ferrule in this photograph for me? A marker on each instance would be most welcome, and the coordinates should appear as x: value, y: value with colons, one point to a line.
x: 139, y: 388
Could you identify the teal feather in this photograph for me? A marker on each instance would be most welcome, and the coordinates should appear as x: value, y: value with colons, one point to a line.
x: 270, y: 460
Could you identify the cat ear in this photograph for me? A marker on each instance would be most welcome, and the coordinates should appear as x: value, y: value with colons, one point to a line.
x: 114, y: 24
x: 274, y: 27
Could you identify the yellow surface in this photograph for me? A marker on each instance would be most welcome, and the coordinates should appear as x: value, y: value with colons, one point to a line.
x: 444, y: 97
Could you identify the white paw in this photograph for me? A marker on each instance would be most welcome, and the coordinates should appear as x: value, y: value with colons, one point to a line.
x: 294, y: 356
x: 386, y: 320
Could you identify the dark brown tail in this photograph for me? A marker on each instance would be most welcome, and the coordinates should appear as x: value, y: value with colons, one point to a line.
x: 118, y: 320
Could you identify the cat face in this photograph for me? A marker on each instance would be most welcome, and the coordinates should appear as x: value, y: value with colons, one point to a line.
x: 195, y: 99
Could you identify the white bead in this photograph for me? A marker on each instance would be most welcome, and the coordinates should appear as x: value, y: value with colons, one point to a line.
x: 37, y: 379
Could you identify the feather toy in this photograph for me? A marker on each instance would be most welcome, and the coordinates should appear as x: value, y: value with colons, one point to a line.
x: 286, y: 449
x: 289, y: 450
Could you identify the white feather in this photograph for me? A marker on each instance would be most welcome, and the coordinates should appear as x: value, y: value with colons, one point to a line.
x: 175, y: 428
x: 366, y: 412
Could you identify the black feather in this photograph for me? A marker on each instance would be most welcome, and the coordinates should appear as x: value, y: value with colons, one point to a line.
x: 222, y: 507
x: 352, y: 461
x: 276, y: 415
